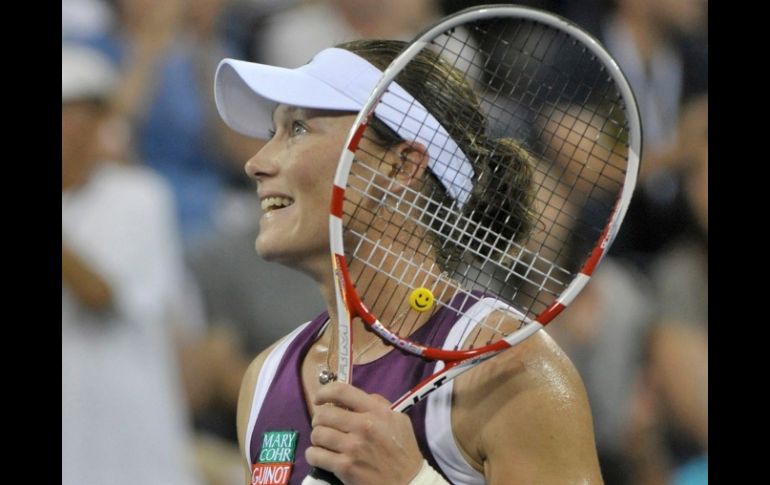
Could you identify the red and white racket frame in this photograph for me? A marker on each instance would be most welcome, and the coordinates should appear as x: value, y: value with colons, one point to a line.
x: 457, y: 362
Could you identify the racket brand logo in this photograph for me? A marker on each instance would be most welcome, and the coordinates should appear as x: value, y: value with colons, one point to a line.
x: 344, y: 350
x: 424, y: 393
x: 432, y: 384
x: 343, y: 339
x: 276, y: 458
x: 395, y: 340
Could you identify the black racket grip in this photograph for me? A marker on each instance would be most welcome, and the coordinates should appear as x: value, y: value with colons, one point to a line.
x: 321, y: 477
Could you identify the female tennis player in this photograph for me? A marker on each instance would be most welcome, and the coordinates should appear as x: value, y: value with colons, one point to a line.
x: 522, y: 417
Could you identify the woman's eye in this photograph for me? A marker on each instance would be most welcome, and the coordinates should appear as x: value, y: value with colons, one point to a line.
x: 271, y: 133
x: 297, y: 128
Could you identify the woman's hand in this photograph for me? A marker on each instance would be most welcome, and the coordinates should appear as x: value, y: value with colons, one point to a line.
x: 360, y: 439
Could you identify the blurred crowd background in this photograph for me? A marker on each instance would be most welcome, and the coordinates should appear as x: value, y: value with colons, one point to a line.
x: 164, y: 301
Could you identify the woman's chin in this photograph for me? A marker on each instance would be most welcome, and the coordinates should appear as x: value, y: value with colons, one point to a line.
x: 273, y: 253
x: 266, y: 252
x: 263, y: 250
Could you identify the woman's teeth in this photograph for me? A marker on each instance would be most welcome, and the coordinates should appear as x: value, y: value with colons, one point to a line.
x: 271, y: 203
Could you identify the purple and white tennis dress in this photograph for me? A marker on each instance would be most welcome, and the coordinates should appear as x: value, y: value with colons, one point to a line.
x: 279, y: 427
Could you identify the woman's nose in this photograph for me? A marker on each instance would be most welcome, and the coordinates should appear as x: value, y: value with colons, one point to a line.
x: 260, y: 165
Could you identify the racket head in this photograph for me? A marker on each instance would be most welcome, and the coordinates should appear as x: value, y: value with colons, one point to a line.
x: 517, y: 191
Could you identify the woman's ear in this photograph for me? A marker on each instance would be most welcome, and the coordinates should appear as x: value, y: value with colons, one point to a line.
x: 411, y: 161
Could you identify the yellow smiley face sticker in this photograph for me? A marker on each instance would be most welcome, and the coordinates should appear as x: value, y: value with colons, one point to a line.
x: 421, y: 299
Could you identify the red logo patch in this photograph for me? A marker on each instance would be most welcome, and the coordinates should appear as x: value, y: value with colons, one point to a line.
x: 270, y: 473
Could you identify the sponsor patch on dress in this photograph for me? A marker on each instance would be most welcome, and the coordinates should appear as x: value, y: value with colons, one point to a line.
x: 276, y: 458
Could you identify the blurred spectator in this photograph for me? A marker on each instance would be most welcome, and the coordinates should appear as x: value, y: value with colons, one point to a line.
x: 124, y: 419
x: 84, y: 17
x: 681, y: 272
x: 655, y: 43
x: 168, y: 52
x: 661, y: 46
x: 292, y: 37
x: 678, y: 345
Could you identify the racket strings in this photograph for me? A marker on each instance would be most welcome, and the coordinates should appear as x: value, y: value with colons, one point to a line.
x: 535, y: 87
x: 472, y: 230
x: 600, y: 86
x: 492, y: 272
x: 539, y: 44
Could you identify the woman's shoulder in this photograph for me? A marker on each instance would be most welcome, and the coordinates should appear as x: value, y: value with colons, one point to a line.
x: 538, y: 362
x: 516, y: 404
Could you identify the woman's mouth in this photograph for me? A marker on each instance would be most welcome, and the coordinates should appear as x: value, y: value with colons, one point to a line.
x: 272, y: 203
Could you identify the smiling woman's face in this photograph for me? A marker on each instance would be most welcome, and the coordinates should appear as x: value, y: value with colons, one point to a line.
x: 294, y: 171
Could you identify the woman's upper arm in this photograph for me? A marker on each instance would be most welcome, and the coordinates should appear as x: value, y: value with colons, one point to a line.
x: 530, y: 415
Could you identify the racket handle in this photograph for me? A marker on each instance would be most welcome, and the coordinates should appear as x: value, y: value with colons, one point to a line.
x: 318, y: 476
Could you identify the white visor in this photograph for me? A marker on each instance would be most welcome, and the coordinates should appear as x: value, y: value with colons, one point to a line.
x: 336, y: 79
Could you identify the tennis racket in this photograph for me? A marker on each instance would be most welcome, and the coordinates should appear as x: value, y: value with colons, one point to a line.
x: 498, y: 196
